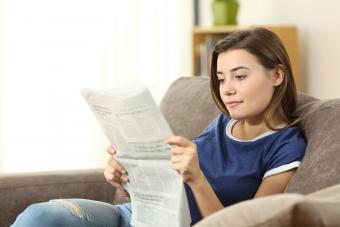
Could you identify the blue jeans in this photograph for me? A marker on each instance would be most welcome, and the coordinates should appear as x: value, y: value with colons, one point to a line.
x: 75, y: 212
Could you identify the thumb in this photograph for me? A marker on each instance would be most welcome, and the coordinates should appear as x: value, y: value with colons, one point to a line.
x: 179, y: 141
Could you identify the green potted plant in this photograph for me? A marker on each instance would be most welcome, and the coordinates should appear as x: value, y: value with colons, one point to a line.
x: 224, y: 12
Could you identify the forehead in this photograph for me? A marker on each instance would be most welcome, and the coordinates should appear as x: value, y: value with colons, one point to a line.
x: 235, y: 58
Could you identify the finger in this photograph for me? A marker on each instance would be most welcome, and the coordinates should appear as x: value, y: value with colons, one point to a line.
x: 110, y: 177
x: 113, y: 174
x: 113, y: 180
x: 124, y: 178
x: 110, y: 150
x: 116, y: 165
x: 183, y: 151
x: 176, y: 150
x: 118, y: 176
x: 121, y: 178
x: 110, y: 170
x: 176, y: 158
x: 179, y: 141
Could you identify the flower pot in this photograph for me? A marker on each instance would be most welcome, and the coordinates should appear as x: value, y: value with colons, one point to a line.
x: 224, y: 12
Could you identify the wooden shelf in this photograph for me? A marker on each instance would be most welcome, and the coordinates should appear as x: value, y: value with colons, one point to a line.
x: 203, y: 39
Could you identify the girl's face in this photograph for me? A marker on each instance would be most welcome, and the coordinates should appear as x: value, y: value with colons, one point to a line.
x: 246, y: 87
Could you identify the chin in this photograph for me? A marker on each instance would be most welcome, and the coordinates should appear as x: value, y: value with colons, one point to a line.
x: 245, y: 116
x: 237, y: 117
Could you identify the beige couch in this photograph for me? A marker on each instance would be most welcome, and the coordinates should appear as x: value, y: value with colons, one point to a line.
x: 188, y: 107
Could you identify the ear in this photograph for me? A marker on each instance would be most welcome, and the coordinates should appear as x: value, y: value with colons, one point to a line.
x: 277, y: 75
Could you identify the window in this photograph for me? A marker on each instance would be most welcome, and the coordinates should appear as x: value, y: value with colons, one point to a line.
x: 51, y: 49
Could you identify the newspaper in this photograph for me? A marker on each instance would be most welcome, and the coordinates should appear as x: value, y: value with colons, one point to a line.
x: 136, y: 128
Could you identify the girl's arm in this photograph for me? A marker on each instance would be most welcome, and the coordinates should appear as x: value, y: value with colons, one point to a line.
x: 184, y: 160
x: 205, y: 196
x: 274, y: 184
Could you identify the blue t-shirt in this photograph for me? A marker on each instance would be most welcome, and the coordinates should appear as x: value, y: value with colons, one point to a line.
x: 235, y: 168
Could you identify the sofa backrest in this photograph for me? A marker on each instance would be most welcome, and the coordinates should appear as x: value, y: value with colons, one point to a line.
x: 188, y: 107
x: 320, y: 167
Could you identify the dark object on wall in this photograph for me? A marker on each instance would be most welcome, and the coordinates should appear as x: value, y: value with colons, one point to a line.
x: 196, y: 12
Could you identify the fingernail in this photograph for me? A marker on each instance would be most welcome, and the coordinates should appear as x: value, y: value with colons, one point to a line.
x: 125, y: 178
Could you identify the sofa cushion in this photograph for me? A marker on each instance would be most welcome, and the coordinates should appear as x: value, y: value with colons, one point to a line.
x: 319, y: 209
x: 320, y: 167
x: 19, y: 190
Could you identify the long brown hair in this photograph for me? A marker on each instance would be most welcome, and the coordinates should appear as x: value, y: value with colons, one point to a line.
x: 270, y: 52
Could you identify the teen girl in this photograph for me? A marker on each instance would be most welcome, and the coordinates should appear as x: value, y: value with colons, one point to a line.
x: 250, y: 150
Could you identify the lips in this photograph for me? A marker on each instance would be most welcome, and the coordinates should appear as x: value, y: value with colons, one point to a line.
x: 232, y: 104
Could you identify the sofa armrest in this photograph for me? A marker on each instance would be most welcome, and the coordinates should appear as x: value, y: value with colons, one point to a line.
x: 17, y: 191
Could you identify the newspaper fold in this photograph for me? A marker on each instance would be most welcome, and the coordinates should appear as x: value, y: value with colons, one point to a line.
x: 134, y: 125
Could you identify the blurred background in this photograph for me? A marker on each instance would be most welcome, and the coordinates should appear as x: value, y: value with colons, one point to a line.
x: 49, y: 50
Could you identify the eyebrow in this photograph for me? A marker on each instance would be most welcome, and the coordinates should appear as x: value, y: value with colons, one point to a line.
x: 237, y: 68
x: 234, y: 69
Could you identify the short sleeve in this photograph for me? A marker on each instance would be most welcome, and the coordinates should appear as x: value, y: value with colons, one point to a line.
x: 286, y: 154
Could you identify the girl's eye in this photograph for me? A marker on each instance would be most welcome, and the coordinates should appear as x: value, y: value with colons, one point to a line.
x: 220, y: 78
x: 240, y: 77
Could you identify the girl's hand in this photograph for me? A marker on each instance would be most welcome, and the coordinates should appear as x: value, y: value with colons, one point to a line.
x: 184, y: 159
x: 114, y: 172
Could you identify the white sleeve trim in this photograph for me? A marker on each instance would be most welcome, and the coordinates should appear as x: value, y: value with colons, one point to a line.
x: 282, y: 169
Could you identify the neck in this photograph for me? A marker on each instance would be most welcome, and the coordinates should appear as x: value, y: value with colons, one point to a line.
x: 246, y: 130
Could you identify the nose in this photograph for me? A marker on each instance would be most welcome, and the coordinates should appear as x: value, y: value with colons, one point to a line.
x: 227, y: 88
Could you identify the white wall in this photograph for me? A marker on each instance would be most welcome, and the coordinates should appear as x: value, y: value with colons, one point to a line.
x: 319, y: 36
